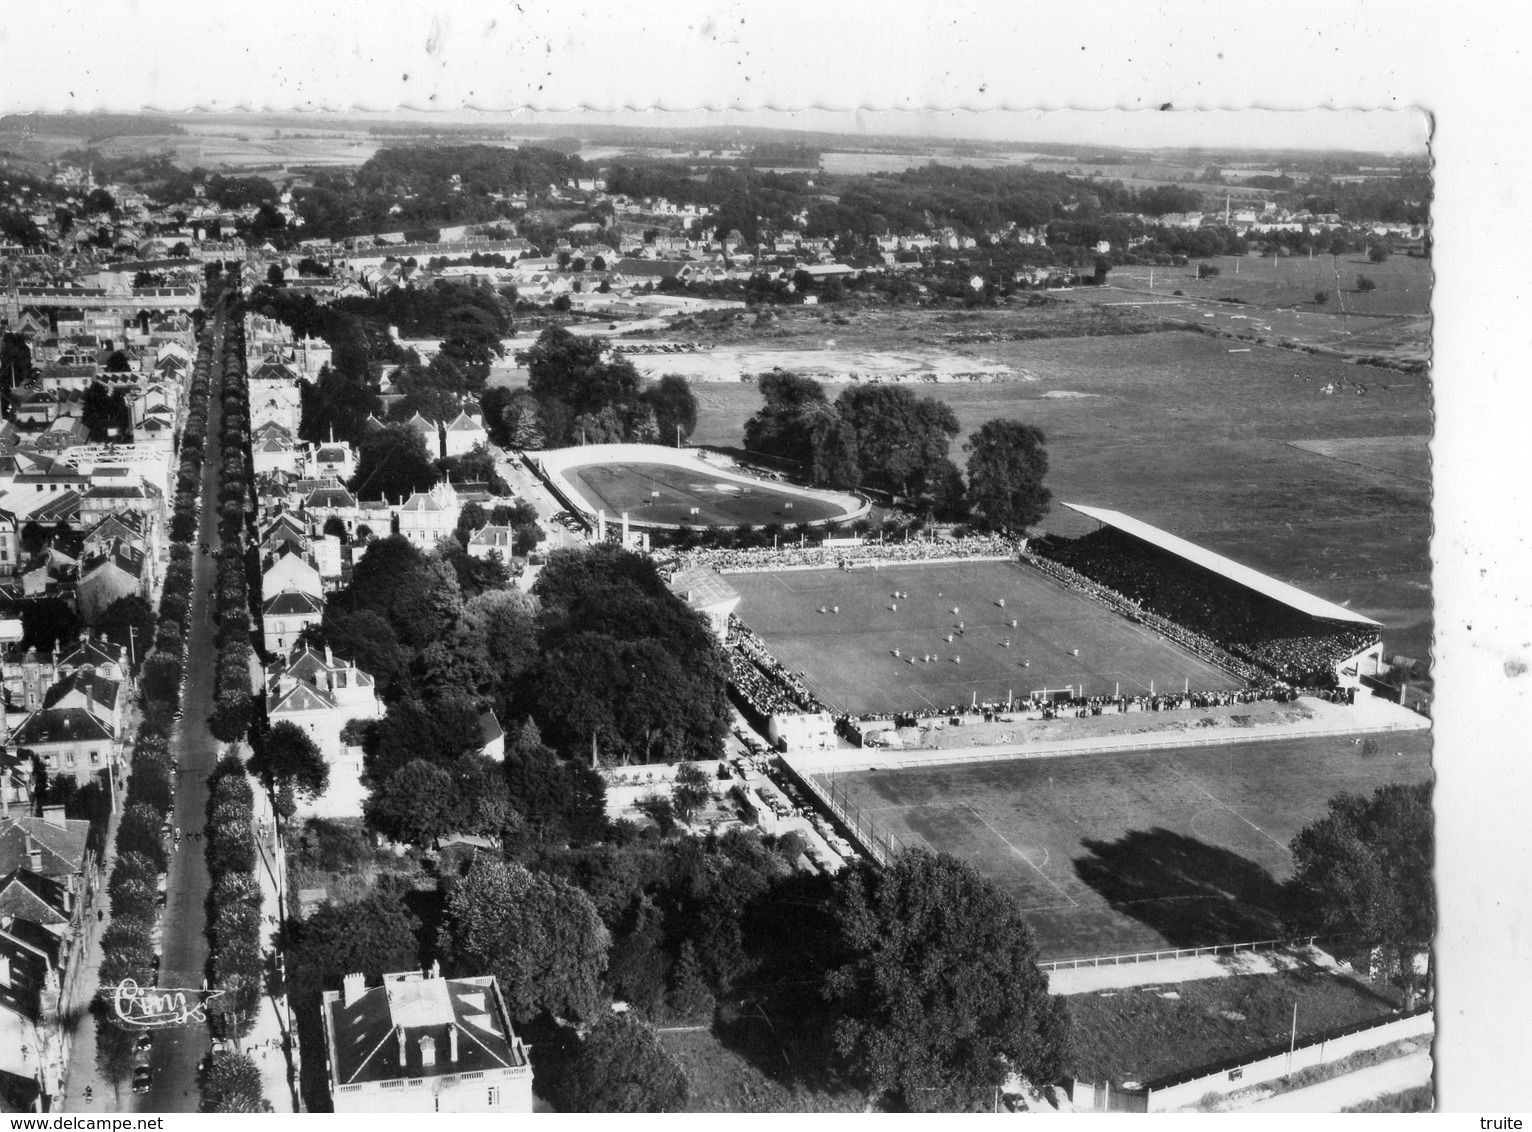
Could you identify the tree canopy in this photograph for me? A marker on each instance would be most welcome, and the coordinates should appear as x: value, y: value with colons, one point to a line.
x: 393, y: 463
x: 624, y: 661
x: 371, y: 936
x: 1007, y: 461
x: 286, y: 756
x: 941, y: 994
x: 540, y: 936
x: 622, y: 1067
x: 1364, y: 870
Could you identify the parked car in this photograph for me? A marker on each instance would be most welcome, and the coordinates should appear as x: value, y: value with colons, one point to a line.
x: 142, y: 1078
x: 143, y: 1044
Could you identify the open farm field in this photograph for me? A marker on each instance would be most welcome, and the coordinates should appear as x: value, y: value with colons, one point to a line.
x: 1276, y: 302
x: 1175, y: 430
x: 1404, y: 283
x: 846, y: 654
x: 1117, y: 853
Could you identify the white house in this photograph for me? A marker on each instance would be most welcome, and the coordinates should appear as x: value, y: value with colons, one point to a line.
x: 427, y: 517
x: 320, y: 694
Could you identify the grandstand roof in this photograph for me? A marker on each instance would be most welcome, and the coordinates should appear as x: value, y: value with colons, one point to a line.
x: 702, y: 588
x: 1288, y: 595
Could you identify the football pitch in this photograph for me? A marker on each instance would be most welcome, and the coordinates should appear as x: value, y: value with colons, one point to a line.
x: 1061, y: 639
x: 1114, y: 853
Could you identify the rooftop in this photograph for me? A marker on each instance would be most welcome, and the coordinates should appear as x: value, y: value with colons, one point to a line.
x: 1263, y: 584
x: 377, y: 1035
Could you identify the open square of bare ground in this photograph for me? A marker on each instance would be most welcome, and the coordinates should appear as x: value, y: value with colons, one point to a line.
x: 949, y: 641
x: 1117, y: 853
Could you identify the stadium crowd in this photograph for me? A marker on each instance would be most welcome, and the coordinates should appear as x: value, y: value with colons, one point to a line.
x: 764, y: 559
x: 1259, y: 631
x: 761, y: 679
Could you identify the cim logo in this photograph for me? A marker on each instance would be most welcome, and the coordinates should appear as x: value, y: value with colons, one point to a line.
x: 156, y: 1008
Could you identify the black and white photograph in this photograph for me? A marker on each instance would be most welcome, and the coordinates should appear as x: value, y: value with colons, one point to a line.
x: 589, y: 603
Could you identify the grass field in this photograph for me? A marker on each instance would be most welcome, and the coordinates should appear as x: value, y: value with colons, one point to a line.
x: 1109, y: 854
x: 1177, y: 431
x: 660, y: 493
x: 1141, y: 1033
x: 848, y: 658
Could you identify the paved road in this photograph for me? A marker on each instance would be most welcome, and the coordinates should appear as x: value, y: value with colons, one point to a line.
x: 1354, y: 1088
x: 184, y: 964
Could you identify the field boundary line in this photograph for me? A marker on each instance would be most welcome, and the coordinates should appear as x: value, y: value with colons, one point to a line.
x: 1073, y: 903
x: 1221, y: 804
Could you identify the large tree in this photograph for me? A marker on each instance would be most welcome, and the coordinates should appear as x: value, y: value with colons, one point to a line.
x: 286, y: 756
x: 1364, y: 870
x: 569, y: 371
x: 902, y: 440
x: 1007, y: 461
x: 417, y: 594
x: 785, y: 423
x: 675, y: 408
x: 232, y: 1083
x: 625, y: 662
x: 336, y: 404
x: 392, y: 463
x: 416, y: 805
x: 941, y: 994
x: 622, y: 1067
x: 372, y: 936
x: 540, y: 936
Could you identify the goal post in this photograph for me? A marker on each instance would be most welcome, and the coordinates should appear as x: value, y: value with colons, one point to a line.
x: 1053, y: 695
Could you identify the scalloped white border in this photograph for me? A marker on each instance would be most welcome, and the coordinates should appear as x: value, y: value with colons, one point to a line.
x: 1462, y: 63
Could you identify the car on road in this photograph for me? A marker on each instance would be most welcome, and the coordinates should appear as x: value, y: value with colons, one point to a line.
x: 143, y: 1077
x: 144, y: 1043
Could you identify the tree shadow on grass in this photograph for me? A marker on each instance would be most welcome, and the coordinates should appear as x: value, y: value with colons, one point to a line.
x: 1193, y: 894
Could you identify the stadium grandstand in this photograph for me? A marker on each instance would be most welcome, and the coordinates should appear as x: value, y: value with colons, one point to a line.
x: 1288, y: 633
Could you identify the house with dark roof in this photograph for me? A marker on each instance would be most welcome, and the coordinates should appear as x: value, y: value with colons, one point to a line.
x: 492, y: 539
x: 110, y: 572
x: 108, y: 496
x: 48, y: 884
x: 462, y: 434
x: 427, y: 517
x: 320, y: 693
x: 285, y: 615
x: 423, y: 1043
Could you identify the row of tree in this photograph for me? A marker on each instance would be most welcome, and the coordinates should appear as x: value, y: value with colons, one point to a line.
x: 886, y: 437
x: 127, y: 946
x: 235, y: 600
x: 236, y: 964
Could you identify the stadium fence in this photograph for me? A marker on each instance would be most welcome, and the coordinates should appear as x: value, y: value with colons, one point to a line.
x: 891, y: 760
x: 881, y: 846
x: 1175, y: 953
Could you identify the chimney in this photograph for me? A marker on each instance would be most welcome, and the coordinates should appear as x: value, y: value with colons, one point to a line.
x: 54, y: 815
x: 34, y: 855
x: 403, y: 1048
x: 452, y: 1041
x: 353, y: 987
x: 427, y: 1051
x: 329, y: 657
